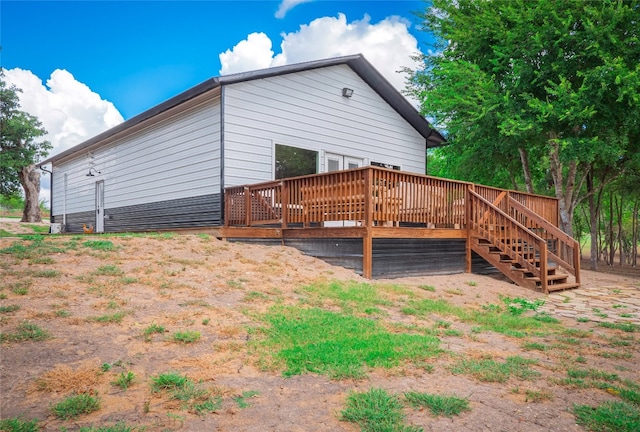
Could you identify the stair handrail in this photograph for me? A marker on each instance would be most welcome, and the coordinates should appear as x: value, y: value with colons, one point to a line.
x: 542, y: 270
x: 566, y: 239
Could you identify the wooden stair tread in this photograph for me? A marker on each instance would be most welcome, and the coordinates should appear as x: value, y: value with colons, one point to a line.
x: 549, y: 277
x: 564, y: 286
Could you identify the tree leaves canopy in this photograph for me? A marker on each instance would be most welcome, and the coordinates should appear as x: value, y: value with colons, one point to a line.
x: 19, y: 144
x: 559, y: 79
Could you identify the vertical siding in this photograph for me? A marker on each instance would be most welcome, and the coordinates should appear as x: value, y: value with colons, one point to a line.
x: 174, y: 159
x: 307, y: 110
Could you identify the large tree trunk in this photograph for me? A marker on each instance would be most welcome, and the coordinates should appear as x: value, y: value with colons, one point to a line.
x: 526, y: 169
x: 566, y: 184
x: 30, y: 180
x: 594, y: 210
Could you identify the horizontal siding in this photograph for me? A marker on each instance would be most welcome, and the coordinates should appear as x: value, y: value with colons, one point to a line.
x: 192, y: 212
x: 307, y: 110
x: 345, y: 253
x: 176, y: 158
x: 417, y: 257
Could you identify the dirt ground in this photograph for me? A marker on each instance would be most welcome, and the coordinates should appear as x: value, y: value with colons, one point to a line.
x: 195, y: 282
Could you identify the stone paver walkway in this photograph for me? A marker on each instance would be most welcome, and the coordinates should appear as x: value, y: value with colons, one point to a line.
x: 603, y: 298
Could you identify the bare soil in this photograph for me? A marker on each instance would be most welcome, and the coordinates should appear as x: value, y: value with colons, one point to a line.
x: 194, y: 282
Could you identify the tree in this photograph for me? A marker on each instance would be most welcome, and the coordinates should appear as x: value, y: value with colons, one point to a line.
x: 554, y: 84
x: 20, y: 150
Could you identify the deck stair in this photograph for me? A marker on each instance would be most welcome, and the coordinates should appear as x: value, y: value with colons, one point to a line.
x: 525, y: 248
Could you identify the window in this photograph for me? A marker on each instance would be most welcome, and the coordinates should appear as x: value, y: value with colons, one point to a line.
x: 384, y: 165
x: 294, y: 161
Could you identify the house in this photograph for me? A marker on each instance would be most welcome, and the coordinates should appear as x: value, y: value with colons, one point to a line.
x: 167, y: 168
x: 325, y: 156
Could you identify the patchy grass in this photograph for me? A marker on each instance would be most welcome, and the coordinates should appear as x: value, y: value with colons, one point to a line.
x: 374, y: 410
x: 337, y: 345
x: 108, y: 270
x: 75, y: 405
x: 17, y: 424
x: 186, y: 337
x: 26, y: 331
x: 438, y: 405
x: 488, y: 370
x: 609, y: 416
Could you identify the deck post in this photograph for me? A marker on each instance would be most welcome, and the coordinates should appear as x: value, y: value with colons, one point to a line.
x: 467, y: 210
x: 367, y: 240
x: 247, y: 206
x: 284, y: 202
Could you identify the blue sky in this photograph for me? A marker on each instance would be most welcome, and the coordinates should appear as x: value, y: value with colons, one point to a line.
x: 137, y: 54
x: 86, y: 66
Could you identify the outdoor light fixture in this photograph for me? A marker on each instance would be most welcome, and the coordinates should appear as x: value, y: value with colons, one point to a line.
x: 93, y: 172
x: 347, y: 92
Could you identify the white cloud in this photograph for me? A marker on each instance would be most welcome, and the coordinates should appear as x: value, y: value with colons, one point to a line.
x: 287, y: 5
x: 68, y: 109
x: 252, y: 53
x: 388, y: 45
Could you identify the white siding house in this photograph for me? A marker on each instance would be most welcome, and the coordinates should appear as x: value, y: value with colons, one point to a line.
x: 167, y: 167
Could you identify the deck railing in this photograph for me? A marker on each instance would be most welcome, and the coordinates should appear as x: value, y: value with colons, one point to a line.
x: 368, y: 196
x: 510, y: 237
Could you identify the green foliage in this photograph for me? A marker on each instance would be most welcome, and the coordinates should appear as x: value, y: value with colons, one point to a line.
x: 318, y: 341
x: 181, y: 388
x: 560, y: 104
x: 608, y: 417
x: 20, y: 139
x: 75, y: 405
x: 17, y: 424
x: 438, y: 404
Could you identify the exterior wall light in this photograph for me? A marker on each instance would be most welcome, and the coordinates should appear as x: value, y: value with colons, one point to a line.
x: 93, y: 172
x: 347, y: 92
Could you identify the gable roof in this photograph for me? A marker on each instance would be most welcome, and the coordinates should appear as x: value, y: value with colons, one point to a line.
x: 356, y: 62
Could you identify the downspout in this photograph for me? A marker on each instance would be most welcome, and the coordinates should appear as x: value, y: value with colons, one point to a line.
x: 50, y: 192
x: 222, y: 161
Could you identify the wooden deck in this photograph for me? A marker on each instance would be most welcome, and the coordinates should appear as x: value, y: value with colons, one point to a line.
x: 513, y: 231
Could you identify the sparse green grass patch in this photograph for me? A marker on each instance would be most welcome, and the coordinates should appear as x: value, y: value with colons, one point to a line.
x: 102, y: 245
x: 241, y: 400
x: 374, y: 411
x: 108, y: 270
x: 26, y: 331
x: 625, y: 327
x: 152, y: 329
x: 17, y: 424
x: 9, y: 308
x: 488, y: 370
x: 117, y: 427
x: 75, y: 405
x: 351, y: 297
x: 186, y: 337
x: 438, y: 405
x: 192, y: 396
x: 114, y: 318
x: 318, y: 341
x: 124, y: 380
x: 608, y: 417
